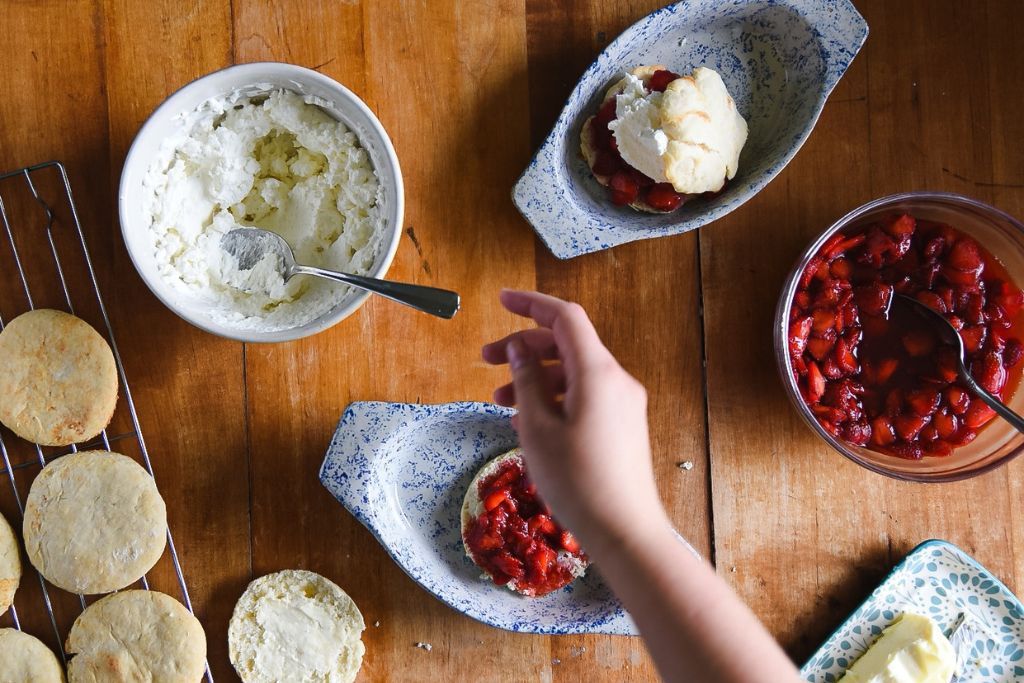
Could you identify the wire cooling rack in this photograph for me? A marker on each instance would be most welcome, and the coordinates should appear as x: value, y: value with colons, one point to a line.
x: 47, y: 265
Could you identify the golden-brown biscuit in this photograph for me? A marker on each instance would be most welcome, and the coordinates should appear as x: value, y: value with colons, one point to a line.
x: 136, y: 635
x: 94, y: 522
x: 10, y: 565
x: 24, y: 659
x: 58, y: 378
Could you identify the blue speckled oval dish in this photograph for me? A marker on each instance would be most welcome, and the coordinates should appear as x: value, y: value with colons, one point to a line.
x: 403, y: 469
x: 941, y: 581
x: 780, y: 59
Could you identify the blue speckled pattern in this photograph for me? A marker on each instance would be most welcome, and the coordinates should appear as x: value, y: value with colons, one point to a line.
x: 403, y: 469
x: 941, y: 581
x: 780, y: 59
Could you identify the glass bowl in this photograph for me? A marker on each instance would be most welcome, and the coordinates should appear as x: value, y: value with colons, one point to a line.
x: 1003, y: 236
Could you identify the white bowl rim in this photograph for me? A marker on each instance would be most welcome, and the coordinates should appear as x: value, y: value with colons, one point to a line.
x: 259, y: 72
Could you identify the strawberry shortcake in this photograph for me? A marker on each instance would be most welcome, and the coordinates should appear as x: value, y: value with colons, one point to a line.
x: 660, y: 139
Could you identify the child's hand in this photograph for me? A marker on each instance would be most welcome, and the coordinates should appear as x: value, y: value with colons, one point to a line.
x: 582, y: 421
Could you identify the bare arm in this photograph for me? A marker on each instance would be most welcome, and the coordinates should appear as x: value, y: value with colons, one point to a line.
x: 582, y: 423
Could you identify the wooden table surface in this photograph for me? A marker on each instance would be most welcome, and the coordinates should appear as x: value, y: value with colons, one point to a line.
x: 467, y: 91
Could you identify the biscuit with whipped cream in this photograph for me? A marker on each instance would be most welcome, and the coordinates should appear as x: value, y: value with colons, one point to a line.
x: 296, y: 626
x: 689, y: 136
x: 587, y: 147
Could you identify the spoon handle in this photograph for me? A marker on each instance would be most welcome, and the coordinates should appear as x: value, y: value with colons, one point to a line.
x: 994, y: 403
x: 440, y: 302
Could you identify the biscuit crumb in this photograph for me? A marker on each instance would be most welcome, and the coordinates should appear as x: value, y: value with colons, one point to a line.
x: 685, y: 465
x: 376, y: 624
x: 732, y: 569
x: 425, y: 646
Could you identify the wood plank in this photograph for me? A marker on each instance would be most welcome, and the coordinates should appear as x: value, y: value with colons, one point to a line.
x: 1006, y: 188
x: 446, y: 81
x: 188, y: 384
x: 644, y: 300
x: 467, y: 91
x: 802, y: 534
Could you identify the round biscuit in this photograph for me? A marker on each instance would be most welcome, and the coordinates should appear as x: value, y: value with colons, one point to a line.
x: 58, y: 378
x: 296, y: 626
x: 24, y: 659
x: 136, y: 635
x: 10, y: 565
x: 473, y: 506
x: 94, y: 522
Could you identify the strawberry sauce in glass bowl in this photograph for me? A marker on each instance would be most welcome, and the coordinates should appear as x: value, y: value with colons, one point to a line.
x: 874, y: 383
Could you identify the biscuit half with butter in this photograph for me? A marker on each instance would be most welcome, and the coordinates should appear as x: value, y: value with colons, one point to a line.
x: 136, y: 635
x: 24, y: 659
x: 58, y: 378
x: 295, y: 626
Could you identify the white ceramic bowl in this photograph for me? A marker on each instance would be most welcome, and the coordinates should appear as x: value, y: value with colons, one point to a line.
x: 256, y: 78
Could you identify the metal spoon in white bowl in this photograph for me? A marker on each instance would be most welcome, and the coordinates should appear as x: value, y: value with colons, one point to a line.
x: 948, y: 335
x: 250, y: 245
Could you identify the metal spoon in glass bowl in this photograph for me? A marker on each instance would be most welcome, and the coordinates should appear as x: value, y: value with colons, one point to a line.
x: 250, y: 245
x: 948, y: 335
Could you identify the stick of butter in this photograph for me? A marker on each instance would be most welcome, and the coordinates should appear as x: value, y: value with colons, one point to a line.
x: 911, y: 650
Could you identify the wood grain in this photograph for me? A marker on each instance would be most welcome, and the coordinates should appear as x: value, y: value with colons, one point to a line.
x: 418, y: 65
x: 189, y: 386
x: 467, y: 90
x: 644, y: 299
x: 802, y: 534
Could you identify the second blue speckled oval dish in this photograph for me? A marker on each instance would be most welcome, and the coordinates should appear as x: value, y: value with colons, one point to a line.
x: 780, y: 59
x: 403, y: 469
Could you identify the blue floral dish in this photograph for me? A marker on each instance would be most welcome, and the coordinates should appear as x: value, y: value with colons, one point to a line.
x: 403, y: 469
x: 780, y: 59
x: 941, y: 581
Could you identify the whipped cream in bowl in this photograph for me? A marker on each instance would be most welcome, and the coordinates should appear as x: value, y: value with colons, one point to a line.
x: 272, y: 146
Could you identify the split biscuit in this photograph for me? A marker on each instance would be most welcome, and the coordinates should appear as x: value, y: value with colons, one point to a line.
x: 296, y: 626
x: 473, y: 507
x: 94, y: 522
x: 58, y: 378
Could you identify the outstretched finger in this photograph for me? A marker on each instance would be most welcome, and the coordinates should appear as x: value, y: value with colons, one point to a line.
x: 574, y: 334
x: 540, y: 340
x: 533, y: 397
x: 554, y: 380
